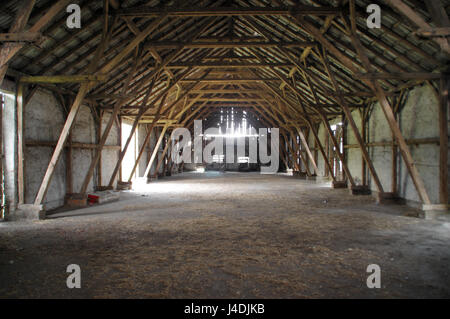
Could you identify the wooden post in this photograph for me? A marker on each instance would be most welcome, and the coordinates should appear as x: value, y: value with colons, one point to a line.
x: 60, y: 144
x: 327, y: 152
x: 20, y: 145
x: 352, y: 123
x: 388, y: 111
x: 337, y: 147
x: 83, y: 90
x: 308, y: 152
x: 147, y: 138
x: 99, y: 136
x: 112, y: 118
x: 69, y: 173
x: 163, y: 157
x: 444, y: 104
x: 2, y: 209
x: 119, y: 153
x: 394, y: 171
x: 364, y: 138
x: 155, y: 152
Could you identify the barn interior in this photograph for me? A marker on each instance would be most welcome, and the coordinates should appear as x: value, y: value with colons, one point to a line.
x: 93, y: 173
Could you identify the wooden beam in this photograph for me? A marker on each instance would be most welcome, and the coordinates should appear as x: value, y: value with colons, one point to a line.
x: 226, y: 65
x: 19, y: 24
x: 112, y: 118
x: 388, y: 112
x: 331, y: 134
x: 155, y: 151
x: 88, y: 146
x: 63, y: 78
x: 308, y: 151
x: 5, y: 57
x: 163, y: 156
x: 228, y: 45
x: 148, y: 136
x: 133, y: 44
x: 21, y: 37
x: 147, y: 11
x: 418, y: 20
x: 232, y: 81
x: 61, y: 142
x: 84, y: 89
x: 399, y: 76
x: 347, y: 62
x: 433, y: 32
x: 353, y: 125
x: 117, y: 168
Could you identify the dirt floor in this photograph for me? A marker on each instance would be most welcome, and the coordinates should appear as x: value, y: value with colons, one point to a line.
x: 228, y: 235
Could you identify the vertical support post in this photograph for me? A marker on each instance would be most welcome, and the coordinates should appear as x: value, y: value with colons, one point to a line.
x: 119, y: 152
x: 99, y: 136
x: 2, y: 190
x: 394, y: 171
x: 69, y: 174
x: 316, y: 152
x: 20, y: 145
x: 327, y: 154
x: 364, y: 138
x: 444, y: 104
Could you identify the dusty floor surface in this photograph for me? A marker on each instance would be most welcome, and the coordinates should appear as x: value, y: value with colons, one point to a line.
x: 228, y: 236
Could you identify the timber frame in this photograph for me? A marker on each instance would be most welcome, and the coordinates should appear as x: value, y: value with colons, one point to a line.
x: 288, y: 64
